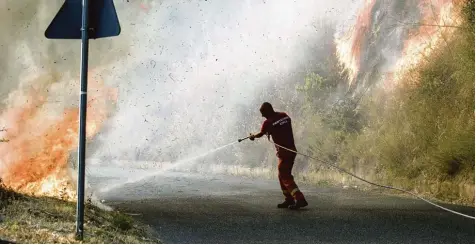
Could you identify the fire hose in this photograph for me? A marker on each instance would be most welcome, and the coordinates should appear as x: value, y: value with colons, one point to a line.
x: 369, y: 182
x: 239, y: 140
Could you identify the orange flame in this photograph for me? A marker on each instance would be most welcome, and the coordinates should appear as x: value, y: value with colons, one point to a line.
x: 436, y: 15
x: 349, y: 46
x: 35, y: 160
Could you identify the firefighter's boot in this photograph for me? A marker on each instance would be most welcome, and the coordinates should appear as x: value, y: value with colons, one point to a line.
x: 286, y: 204
x: 300, y: 203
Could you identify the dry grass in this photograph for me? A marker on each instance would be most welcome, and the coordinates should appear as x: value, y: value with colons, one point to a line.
x: 419, y: 136
x: 25, y: 219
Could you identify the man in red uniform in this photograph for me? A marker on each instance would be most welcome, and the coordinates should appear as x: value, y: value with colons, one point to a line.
x: 278, y: 125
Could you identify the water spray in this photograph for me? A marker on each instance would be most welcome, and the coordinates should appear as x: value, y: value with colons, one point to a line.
x: 167, y: 168
x: 182, y: 162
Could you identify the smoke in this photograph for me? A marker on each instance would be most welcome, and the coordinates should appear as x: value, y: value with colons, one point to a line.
x: 39, y: 90
x: 25, y: 50
x: 197, y: 68
x: 184, y: 77
x: 388, y: 35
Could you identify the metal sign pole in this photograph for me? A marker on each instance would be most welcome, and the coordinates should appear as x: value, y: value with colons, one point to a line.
x: 82, y: 120
x: 70, y: 23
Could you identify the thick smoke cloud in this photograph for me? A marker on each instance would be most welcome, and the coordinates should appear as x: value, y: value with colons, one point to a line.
x: 26, y: 53
x: 190, y: 74
x: 196, y: 67
x: 389, y: 25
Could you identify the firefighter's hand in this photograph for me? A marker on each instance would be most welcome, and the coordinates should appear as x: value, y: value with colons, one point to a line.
x: 252, y: 137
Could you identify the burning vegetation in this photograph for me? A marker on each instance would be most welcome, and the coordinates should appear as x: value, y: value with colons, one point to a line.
x: 35, y: 159
x: 407, y: 116
x: 409, y: 119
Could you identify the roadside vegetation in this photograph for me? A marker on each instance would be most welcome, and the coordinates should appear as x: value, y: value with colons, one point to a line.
x: 27, y: 219
x: 418, y: 135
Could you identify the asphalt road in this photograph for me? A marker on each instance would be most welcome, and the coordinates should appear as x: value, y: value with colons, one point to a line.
x: 189, y: 208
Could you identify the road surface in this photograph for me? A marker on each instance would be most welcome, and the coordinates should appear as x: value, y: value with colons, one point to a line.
x: 191, y: 208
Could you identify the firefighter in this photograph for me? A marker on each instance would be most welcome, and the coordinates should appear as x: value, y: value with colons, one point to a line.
x: 278, y: 126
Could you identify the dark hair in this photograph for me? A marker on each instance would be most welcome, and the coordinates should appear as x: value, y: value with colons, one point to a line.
x: 266, y: 108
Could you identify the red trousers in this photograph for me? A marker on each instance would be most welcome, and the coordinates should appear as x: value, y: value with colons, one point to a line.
x: 286, y: 179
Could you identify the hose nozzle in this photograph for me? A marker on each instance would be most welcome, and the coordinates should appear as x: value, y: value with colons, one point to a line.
x: 239, y: 140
